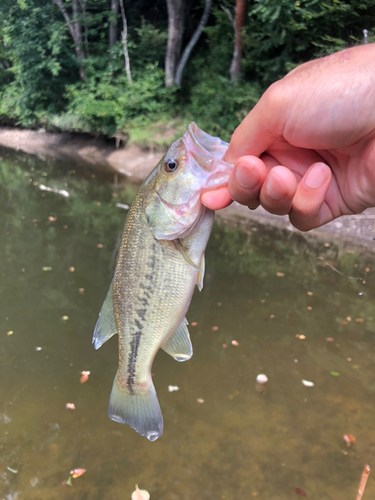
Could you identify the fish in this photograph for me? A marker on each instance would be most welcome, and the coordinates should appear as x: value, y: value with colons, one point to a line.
x: 160, y: 261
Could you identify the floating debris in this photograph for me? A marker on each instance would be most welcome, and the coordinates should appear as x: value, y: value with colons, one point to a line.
x: 215, y: 328
x: 224, y: 346
x: 46, y: 268
x: 38, y: 348
x: 309, y: 308
x: 70, y: 406
x: 359, y: 320
x: 307, y: 383
x: 300, y: 336
x: 299, y: 491
x: 10, y: 333
x: 200, y: 400
x: 53, y: 190
x: 15, y: 471
x: 280, y: 275
x: 84, y: 376
x: 235, y: 343
x: 173, y: 388
x: 330, y: 339
x: 99, y: 245
x: 349, y: 439
x: 64, y: 318
x: 71, y: 269
x: 335, y: 374
x: 52, y: 219
x: 81, y: 291
x: 140, y: 494
x: 122, y: 205
x: 77, y: 473
x: 310, y: 294
x: 194, y: 323
x: 362, y: 483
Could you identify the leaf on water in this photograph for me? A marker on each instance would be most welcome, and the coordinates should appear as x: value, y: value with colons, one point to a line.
x: 173, y: 388
x: 310, y: 293
x: 359, y: 320
x: 84, y: 376
x: 140, y: 494
x: 235, y: 343
x: 52, y: 219
x: 81, y: 291
x: 330, y: 339
x: 307, y: 383
x: 194, y: 323
x: 280, y: 275
x: 77, y: 472
x: 335, y: 374
x: 349, y: 439
x: 99, y: 245
x: 70, y: 406
x: 64, y: 318
x: 299, y: 491
x: 10, y: 333
x: 301, y: 336
x: 344, y: 322
x: 215, y: 328
x: 46, y: 268
x: 200, y: 400
x: 224, y: 346
x: 309, y: 308
x: 71, y: 269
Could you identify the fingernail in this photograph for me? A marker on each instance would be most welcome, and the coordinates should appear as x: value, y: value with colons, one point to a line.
x: 274, y: 189
x: 247, y: 176
x: 317, y: 176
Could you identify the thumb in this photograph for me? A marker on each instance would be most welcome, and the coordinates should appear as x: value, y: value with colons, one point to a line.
x: 261, y: 127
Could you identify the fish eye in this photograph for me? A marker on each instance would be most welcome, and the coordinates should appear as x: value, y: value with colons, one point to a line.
x: 171, y: 165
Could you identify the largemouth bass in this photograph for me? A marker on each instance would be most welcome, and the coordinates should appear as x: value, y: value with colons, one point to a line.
x: 161, y: 259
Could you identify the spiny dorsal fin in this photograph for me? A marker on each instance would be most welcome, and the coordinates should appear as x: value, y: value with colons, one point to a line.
x: 105, y: 326
x: 179, y: 346
x: 185, y: 255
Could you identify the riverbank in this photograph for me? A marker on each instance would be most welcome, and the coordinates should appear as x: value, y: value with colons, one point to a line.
x: 134, y: 162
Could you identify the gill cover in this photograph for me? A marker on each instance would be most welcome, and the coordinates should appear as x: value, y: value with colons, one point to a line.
x: 172, y: 191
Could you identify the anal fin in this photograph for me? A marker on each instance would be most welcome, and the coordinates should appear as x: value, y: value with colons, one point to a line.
x: 179, y: 345
x: 105, y: 326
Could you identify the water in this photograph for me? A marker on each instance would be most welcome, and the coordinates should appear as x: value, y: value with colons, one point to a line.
x: 238, y: 443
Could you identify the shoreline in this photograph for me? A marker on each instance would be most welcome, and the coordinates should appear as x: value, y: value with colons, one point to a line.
x: 353, y: 230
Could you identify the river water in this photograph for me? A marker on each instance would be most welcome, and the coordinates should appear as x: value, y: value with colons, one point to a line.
x: 275, y: 295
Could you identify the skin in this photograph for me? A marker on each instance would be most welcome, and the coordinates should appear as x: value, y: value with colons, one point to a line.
x: 307, y: 149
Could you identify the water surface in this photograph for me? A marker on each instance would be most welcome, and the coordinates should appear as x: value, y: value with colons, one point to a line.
x: 263, y: 289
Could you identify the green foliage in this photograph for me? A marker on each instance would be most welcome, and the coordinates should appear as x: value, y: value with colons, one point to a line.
x: 281, y: 34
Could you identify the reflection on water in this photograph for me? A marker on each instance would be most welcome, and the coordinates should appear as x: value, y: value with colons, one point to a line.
x: 263, y: 288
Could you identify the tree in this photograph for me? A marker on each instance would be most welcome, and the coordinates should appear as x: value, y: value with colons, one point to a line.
x: 75, y: 31
x: 176, y: 23
x: 235, y: 69
x: 193, y: 41
x: 124, y: 38
x: 113, y: 25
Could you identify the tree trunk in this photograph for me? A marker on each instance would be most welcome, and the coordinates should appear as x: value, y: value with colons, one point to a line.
x: 193, y: 41
x: 235, y: 69
x: 176, y: 21
x: 124, y: 38
x: 113, y: 25
x: 75, y: 32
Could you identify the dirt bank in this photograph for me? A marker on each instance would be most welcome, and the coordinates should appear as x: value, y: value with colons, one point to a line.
x: 132, y: 161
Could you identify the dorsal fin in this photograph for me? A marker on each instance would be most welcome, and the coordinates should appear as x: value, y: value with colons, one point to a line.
x: 179, y: 346
x: 105, y: 326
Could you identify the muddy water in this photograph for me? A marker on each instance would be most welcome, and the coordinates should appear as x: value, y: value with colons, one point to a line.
x: 263, y: 289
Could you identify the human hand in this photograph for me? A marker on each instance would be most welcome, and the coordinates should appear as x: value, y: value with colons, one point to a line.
x: 307, y: 149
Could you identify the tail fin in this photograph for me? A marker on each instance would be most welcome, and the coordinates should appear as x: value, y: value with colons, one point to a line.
x: 140, y: 410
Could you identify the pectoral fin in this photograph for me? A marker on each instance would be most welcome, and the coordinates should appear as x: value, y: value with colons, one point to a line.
x: 105, y: 326
x: 179, y: 346
x: 185, y: 255
x: 201, y: 273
